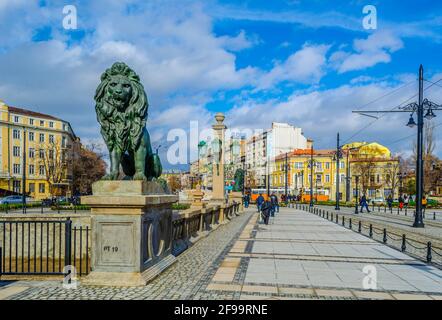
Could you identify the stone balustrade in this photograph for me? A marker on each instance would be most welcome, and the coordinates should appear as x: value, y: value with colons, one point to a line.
x: 192, y: 224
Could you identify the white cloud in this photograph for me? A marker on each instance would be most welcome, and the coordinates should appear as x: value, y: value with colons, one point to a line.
x: 376, y: 48
x: 303, y: 66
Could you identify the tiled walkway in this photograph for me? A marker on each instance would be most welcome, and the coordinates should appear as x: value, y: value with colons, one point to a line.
x: 301, y: 255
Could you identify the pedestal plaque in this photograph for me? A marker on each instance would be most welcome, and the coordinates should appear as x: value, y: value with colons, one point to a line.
x: 131, y: 232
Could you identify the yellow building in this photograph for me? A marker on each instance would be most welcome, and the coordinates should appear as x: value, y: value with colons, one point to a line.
x: 48, y: 144
x: 299, y: 173
x: 372, y: 163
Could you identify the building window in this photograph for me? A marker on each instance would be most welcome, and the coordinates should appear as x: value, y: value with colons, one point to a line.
x: 31, y: 136
x: 16, y: 151
x: 342, y: 178
x: 16, y: 119
x: 327, y: 177
x: 41, y: 154
x: 31, y: 169
x: 342, y: 164
x: 32, y: 187
x: 319, y: 165
x: 16, y: 134
x: 31, y: 122
x: 41, y: 187
x: 42, y: 137
x: 63, y: 142
x: 16, y: 185
x: 16, y: 168
x: 41, y: 170
x: 51, y: 154
x: 327, y: 165
x: 51, y: 124
x: 51, y: 138
x: 319, y: 178
x: 42, y: 123
x: 31, y: 152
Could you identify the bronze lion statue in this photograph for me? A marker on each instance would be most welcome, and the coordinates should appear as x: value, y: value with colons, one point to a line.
x: 121, y: 107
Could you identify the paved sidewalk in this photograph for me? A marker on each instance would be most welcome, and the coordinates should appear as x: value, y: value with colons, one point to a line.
x: 300, y: 255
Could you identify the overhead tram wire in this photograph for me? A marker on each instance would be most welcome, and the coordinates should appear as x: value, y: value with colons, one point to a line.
x: 387, y: 94
x: 412, y: 135
x: 383, y: 115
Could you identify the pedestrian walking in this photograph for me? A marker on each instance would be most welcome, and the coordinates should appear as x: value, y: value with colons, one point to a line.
x: 364, y: 203
x: 265, y: 211
x: 390, y: 201
x: 246, y: 200
x: 274, y: 203
x: 424, y: 204
x: 401, y: 202
x: 406, y: 201
x: 259, y: 202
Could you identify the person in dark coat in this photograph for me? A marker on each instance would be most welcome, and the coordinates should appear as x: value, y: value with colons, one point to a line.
x: 274, y: 203
x: 364, y: 203
x: 265, y: 211
x: 259, y: 202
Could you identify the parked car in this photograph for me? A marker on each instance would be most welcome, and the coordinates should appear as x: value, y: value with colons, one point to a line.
x: 378, y: 201
x: 16, y: 199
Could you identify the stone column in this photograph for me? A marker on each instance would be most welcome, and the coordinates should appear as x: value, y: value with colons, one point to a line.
x: 218, y: 165
x: 131, y: 232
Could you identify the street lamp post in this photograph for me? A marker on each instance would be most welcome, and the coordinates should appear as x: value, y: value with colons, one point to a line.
x: 338, y: 156
x: 286, y: 177
x: 356, y: 195
x: 311, y: 177
x: 24, y: 172
x: 418, y: 108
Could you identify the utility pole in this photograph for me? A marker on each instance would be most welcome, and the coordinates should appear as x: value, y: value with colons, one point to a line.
x: 347, y: 179
x: 337, y: 173
x: 356, y: 195
x: 311, y: 177
x: 24, y: 172
x: 418, y: 221
x: 286, y: 177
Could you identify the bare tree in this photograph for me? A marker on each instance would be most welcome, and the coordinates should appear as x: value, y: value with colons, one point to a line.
x: 54, y: 159
x: 365, y: 168
x: 88, y: 167
x: 391, y: 175
x: 430, y: 161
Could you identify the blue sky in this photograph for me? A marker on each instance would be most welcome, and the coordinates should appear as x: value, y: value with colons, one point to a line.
x: 309, y: 63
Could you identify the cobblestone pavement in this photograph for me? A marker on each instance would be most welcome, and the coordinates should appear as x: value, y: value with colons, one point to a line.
x: 187, y: 278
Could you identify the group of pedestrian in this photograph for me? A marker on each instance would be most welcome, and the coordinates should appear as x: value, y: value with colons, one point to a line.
x: 267, y: 208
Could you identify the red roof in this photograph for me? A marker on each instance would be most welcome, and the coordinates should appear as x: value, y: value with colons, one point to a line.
x: 31, y: 113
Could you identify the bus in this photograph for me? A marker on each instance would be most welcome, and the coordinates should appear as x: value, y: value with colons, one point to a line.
x: 254, y: 194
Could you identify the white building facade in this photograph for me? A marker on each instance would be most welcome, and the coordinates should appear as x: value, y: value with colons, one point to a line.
x: 261, y: 150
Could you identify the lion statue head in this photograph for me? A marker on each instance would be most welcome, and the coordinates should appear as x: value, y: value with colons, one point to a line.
x: 121, y: 107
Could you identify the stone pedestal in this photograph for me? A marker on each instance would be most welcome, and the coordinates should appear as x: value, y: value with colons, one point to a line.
x: 237, y: 197
x: 131, y: 232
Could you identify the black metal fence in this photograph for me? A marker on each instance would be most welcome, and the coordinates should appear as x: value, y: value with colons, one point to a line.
x: 417, y: 249
x: 43, y: 247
